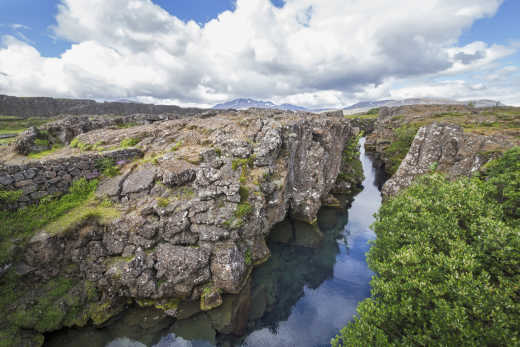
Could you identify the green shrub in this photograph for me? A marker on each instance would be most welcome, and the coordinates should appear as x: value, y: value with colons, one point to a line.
x: 504, y: 174
x: 447, y: 269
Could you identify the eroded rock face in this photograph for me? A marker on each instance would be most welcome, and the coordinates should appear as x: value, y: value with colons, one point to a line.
x: 446, y: 148
x: 196, y: 208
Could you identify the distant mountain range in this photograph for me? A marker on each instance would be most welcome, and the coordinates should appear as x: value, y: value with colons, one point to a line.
x: 243, y: 104
x: 367, y: 105
x: 364, y: 106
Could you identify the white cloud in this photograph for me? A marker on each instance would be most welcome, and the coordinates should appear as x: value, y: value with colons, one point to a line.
x: 308, y: 52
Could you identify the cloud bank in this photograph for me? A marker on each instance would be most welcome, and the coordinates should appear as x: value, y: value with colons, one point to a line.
x: 309, y: 52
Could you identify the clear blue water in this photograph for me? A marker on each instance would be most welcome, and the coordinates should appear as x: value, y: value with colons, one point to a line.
x: 300, y: 297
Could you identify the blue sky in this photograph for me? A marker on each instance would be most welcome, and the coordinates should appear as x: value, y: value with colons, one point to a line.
x: 33, y: 24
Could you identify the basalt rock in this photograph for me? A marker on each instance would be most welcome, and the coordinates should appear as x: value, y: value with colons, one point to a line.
x: 446, y: 148
x: 196, y: 209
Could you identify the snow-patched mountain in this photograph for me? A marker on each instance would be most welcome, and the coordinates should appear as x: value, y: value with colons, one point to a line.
x: 243, y: 104
x: 368, y: 105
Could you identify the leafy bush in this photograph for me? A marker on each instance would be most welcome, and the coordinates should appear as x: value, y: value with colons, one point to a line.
x: 504, y: 174
x: 447, y: 267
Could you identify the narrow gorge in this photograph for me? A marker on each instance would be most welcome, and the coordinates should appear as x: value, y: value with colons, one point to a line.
x: 229, y: 227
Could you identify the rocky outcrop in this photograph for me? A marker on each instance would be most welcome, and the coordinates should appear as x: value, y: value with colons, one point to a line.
x: 196, y: 210
x: 38, y: 179
x: 50, y: 107
x: 63, y: 130
x: 446, y: 148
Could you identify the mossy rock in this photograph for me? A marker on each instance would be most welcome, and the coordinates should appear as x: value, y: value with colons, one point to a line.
x: 210, y: 298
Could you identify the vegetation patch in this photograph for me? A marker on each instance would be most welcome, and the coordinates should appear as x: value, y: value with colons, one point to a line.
x: 43, y: 154
x: 400, y: 146
x: 10, y: 196
x: 131, y: 142
x: 107, y: 167
x: 244, y: 165
x: 163, y: 202
x: 447, y: 264
x: 18, y: 226
x: 176, y: 146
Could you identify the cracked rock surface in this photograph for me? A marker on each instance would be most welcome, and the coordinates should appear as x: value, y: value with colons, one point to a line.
x: 196, y: 208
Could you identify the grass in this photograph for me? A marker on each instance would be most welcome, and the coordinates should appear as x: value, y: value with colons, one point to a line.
x: 163, y: 202
x: 18, y: 226
x: 10, y: 195
x: 80, y: 214
x: 244, y: 164
x: 400, y: 146
x: 126, y: 143
x: 107, y: 167
x: 176, y: 146
x: 43, y: 154
x: 184, y: 193
x: 361, y: 116
x: 15, y: 125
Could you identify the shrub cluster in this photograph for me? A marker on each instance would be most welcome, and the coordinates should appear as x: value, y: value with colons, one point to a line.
x: 447, y: 263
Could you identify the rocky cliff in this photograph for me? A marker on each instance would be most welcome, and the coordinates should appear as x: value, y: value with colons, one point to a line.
x: 192, y: 215
x: 444, y: 147
x: 454, y: 139
x: 50, y: 107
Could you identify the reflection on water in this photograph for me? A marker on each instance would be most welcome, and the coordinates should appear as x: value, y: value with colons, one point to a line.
x: 301, y: 297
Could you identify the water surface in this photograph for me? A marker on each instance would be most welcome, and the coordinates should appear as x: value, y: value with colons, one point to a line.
x: 301, y: 297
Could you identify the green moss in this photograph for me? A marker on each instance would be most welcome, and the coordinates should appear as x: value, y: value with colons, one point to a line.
x: 218, y: 151
x: 126, y: 143
x: 165, y: 305
x: 210, y: 298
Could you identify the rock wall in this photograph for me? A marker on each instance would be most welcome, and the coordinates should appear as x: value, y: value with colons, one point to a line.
x: 53, y: 177
x: 446, y: 148
x: 50, y: 107
x: 196, y: 210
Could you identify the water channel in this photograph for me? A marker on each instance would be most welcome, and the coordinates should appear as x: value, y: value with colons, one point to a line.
x: 301, y: 297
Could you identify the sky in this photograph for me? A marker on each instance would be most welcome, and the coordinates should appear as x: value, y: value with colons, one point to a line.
x: 312, y: 53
